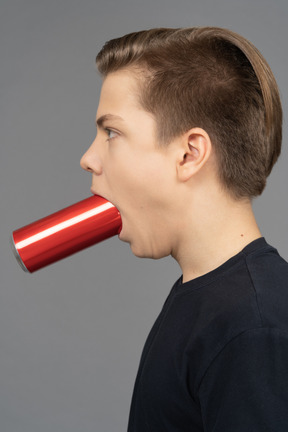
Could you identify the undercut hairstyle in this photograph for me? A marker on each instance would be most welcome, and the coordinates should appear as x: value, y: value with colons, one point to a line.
x: 211, y: 78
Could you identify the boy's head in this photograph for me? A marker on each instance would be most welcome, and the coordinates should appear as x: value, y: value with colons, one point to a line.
x: 209, y: 78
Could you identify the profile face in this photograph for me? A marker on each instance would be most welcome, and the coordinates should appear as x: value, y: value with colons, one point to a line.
x: 130, y: 170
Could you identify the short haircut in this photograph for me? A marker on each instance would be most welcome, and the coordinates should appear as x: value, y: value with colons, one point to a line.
x: 211, y: 78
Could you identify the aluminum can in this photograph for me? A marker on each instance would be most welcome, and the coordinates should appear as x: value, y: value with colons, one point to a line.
x: 65, y: 232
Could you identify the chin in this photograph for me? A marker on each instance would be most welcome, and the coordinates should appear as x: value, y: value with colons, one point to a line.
x: 142, y: 252
x: 141, y: 247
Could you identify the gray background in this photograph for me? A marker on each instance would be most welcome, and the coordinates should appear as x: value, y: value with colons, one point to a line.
x: 71, y: 334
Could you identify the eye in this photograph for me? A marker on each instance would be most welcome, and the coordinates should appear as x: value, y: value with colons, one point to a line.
x: 110, y: 133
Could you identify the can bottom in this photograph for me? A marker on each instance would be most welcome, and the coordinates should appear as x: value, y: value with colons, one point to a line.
x: 17, y: 256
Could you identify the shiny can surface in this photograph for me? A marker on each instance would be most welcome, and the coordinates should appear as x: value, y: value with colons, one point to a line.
x: 65, y: 232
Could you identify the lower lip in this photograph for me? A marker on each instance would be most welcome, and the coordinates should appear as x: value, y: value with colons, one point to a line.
x: 120, y: 235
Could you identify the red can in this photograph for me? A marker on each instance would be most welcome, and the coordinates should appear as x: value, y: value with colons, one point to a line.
x: 65, y: 232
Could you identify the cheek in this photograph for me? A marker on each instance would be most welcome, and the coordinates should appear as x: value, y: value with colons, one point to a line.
x: 123, y: 184
x: 138, y: 179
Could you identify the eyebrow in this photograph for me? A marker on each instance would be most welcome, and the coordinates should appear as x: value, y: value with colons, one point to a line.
x: 106, y: 117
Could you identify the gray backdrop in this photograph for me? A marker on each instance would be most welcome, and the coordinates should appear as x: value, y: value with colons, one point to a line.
x: 71, y: 334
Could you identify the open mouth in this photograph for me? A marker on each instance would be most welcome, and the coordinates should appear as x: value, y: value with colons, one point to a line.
x: 95, y: 193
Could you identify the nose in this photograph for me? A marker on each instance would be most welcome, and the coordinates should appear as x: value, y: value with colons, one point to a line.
x: 90, y: 161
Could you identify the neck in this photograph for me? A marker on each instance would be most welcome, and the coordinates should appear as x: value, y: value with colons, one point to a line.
x: 214, y: 236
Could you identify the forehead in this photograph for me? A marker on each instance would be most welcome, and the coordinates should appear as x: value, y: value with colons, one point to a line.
x: 120, y: 97
x: 120, y: 91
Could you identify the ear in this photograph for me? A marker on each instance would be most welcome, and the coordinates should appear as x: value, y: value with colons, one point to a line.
x: 196, y: 150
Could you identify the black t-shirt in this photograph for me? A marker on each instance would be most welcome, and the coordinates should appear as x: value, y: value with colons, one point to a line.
x: 216, y: 358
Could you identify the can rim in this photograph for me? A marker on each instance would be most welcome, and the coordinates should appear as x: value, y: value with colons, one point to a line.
x: 16, y: 254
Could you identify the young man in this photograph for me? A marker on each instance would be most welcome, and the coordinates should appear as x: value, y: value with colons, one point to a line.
x: 189, y: 127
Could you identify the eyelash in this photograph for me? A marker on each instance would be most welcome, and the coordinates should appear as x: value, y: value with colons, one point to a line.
x: 108, y: 132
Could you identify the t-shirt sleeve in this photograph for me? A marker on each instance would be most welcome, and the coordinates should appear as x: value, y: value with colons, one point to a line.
x: 245, y: 388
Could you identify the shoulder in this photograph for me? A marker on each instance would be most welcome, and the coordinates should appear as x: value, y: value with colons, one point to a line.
x: 249, y: 301
x: 269, y: 277
x: 247, y: 381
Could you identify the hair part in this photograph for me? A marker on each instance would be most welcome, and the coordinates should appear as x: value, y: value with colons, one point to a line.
x: 211, y: 78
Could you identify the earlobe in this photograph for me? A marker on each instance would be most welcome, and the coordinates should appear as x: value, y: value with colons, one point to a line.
x: 197, y: 150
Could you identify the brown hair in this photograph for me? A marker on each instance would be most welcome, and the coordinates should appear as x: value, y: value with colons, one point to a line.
x: 211, y: 78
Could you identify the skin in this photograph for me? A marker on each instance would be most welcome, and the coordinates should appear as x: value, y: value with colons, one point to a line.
x: 170, y: 199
